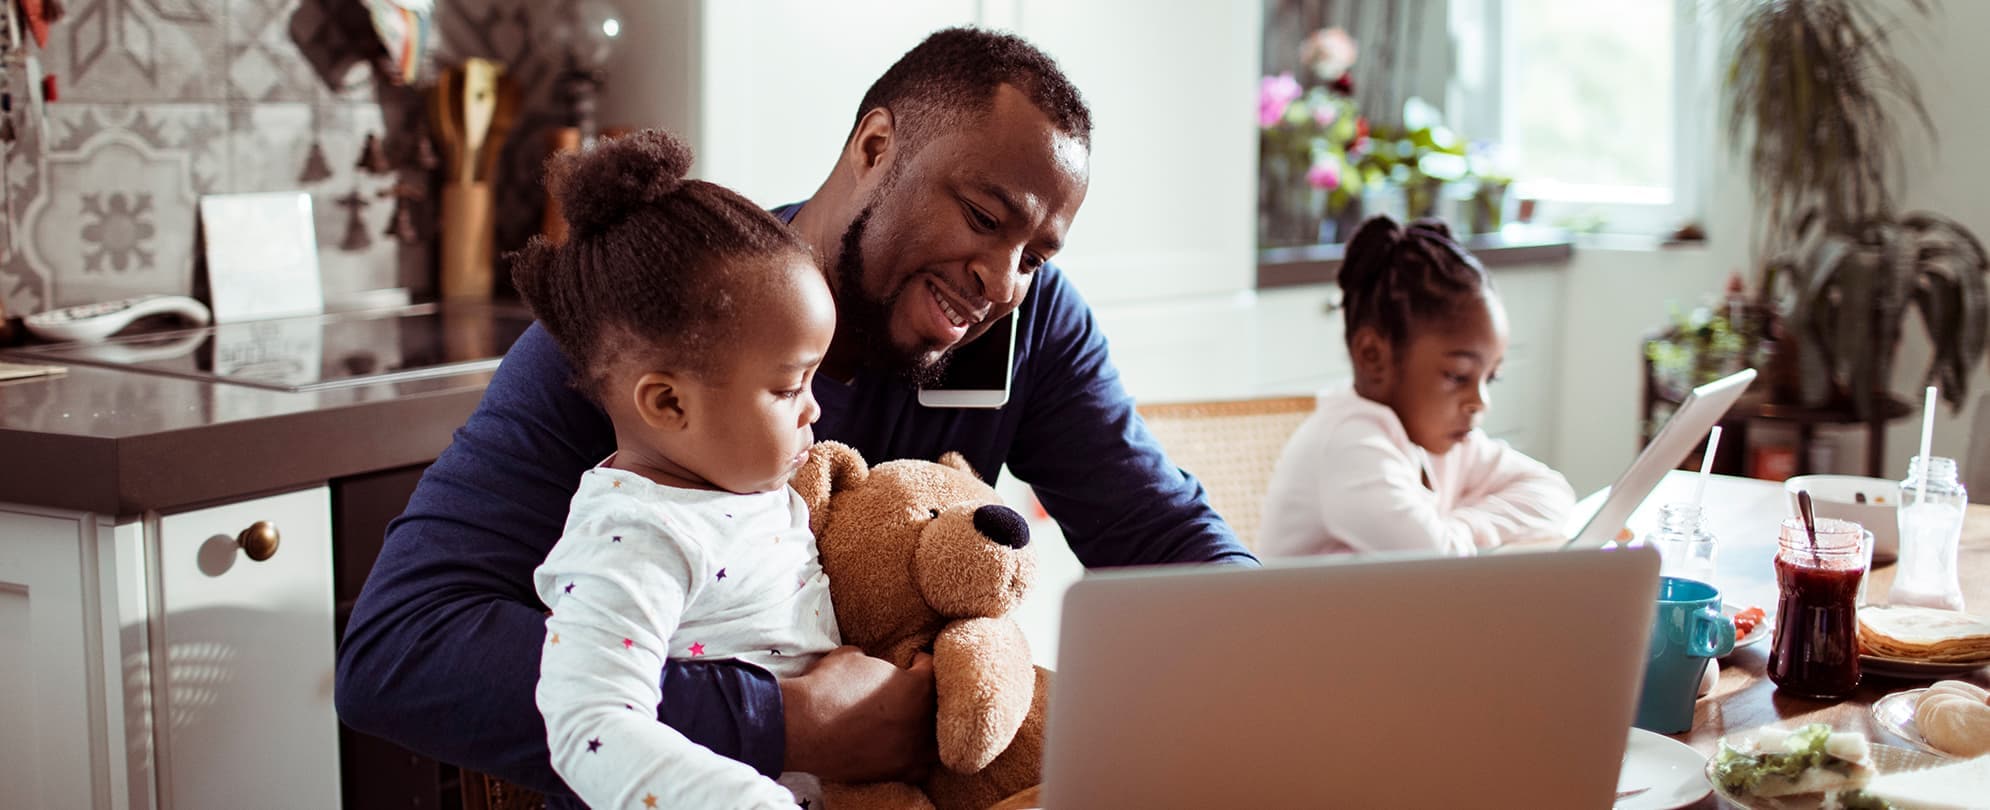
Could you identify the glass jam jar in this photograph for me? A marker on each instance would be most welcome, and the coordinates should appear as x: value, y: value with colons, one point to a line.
x: 1815, y: 652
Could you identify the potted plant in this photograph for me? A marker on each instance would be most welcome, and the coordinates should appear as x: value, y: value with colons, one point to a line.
x: 1303, y: 135
x: 1810, y: 87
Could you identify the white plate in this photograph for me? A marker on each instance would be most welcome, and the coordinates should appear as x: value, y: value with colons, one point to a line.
x: 1915, y: 670
x: 1763, y: 629
x: 1672, y: 771
x: 1895, y: 713
x: 1886, y: 759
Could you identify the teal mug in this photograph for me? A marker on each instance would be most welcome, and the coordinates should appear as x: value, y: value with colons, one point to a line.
x: 1688, y: 630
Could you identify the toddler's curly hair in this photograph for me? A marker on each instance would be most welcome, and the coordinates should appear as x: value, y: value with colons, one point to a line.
x: 653, y: 265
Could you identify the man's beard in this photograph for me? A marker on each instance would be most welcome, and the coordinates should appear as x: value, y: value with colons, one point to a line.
x: 869, y: 319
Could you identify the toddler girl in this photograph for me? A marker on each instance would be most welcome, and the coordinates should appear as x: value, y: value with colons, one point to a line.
x: 696, y: 320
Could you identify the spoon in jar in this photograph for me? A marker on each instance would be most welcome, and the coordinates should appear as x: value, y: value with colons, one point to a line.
x: 1809, y: 518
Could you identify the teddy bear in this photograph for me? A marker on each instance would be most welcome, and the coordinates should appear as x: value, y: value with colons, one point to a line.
x: 923, y: 557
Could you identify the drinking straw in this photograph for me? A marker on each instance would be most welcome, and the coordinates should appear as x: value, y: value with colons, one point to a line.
x: 1706, y: 466
x: 1927, y: 440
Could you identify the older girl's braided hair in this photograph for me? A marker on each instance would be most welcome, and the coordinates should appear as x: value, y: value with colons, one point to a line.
x: 1394, y: 279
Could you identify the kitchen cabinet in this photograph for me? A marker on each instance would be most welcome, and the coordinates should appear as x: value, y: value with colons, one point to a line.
x: 245, y: 658
x: 154, y: 664
x: 60, y: 678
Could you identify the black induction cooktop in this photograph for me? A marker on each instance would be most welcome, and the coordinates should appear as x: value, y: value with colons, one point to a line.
x: 314, y: 352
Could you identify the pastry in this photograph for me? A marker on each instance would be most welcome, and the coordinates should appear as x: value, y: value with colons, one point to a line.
x: 1963, y: 688
x: 1954, y: 721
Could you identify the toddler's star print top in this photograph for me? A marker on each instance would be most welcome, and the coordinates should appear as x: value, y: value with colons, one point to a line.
x: 645, y: 572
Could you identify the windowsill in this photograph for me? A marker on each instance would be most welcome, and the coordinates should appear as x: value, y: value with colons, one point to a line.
x: 1628, y: 242
x: 1319, y: 264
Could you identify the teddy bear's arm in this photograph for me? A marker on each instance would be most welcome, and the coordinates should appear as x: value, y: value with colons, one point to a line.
x: 985, y: 679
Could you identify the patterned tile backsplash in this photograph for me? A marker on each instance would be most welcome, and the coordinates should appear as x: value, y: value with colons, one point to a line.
x: 165, y: 100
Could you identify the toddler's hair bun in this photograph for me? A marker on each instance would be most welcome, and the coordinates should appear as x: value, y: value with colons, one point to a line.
x: 602, y: 185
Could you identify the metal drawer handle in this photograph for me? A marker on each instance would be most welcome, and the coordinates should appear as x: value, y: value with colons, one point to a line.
x: 259, y: 540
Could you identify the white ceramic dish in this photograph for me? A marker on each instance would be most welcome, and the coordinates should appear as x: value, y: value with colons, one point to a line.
x: 1763, y: 629
x: 1915, y: 670
x: 1666, y: 772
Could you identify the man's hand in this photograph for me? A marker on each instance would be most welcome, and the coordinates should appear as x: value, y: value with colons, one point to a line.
x: 854, y: 718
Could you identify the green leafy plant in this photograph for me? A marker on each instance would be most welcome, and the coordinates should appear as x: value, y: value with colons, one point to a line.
x: 1420, y: 156
x: 1851, y: 290
x: 1698, y: 347
x: 1806, y: 91
x: 1811, y: 88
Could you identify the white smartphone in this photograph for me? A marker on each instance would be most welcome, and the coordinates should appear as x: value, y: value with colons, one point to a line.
x: 978, y: 374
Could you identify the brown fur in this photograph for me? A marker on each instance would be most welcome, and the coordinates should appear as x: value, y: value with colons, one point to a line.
x: 905, y: 580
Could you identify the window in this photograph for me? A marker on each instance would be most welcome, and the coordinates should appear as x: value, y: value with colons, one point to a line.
x: 1596, y: 107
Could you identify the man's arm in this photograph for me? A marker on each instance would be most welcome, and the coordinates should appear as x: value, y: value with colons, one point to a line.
x: 1090, y: 458
x: 442, y: 651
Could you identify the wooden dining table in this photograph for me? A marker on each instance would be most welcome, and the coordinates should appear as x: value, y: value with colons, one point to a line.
x: 1744, y: 515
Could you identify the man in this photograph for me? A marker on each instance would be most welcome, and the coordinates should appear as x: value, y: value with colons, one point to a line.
x: 969, y: 158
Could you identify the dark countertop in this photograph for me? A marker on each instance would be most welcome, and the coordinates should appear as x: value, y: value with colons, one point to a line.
x: 1318, y: 264
x: 119, y: 443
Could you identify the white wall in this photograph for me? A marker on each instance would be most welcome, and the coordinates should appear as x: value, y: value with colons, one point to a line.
x: 766, y: 93
x: 1172, y: 208
x: 1614, y: 298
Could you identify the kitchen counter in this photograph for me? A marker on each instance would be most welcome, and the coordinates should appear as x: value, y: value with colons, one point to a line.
x: 119, y: 442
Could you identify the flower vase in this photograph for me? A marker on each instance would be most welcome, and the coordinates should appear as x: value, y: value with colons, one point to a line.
x: 1488, y: 207
x: 1420, y: 195
x: 1339, y: 226
x: 1290, y: 210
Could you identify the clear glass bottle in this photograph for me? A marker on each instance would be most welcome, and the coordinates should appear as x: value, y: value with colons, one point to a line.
x: 1685, y: 547
x: 1930, y: 529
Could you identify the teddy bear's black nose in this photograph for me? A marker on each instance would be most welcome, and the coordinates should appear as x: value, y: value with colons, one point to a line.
x: 1002, y: 525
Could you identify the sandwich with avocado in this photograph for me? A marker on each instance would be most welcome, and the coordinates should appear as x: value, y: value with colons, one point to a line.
x: 1811, y: 759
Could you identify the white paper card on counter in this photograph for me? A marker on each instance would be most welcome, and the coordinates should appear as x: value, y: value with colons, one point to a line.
x: 262, y: 255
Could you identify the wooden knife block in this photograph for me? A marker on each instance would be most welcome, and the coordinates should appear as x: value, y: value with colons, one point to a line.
x: 468, y: 228
x: 565, y: 139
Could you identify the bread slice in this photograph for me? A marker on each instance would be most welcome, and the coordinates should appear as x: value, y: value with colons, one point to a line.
x: 1955, y: 785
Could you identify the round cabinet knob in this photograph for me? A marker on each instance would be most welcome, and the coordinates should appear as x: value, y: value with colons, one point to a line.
x: 260, y: 540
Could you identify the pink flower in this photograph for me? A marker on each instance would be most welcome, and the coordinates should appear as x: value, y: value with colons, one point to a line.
x: 1326, y: 114
x: 1275, y: 93
x: 1324, y: 174
x: 1330, y: 52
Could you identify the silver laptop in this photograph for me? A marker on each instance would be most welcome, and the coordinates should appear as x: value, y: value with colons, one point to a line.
x: 1684, y: 431
x: 1506, y: 681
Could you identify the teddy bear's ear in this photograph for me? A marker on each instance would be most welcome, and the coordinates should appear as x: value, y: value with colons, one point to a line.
x: 959, y: 462
x: 831, y: 468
